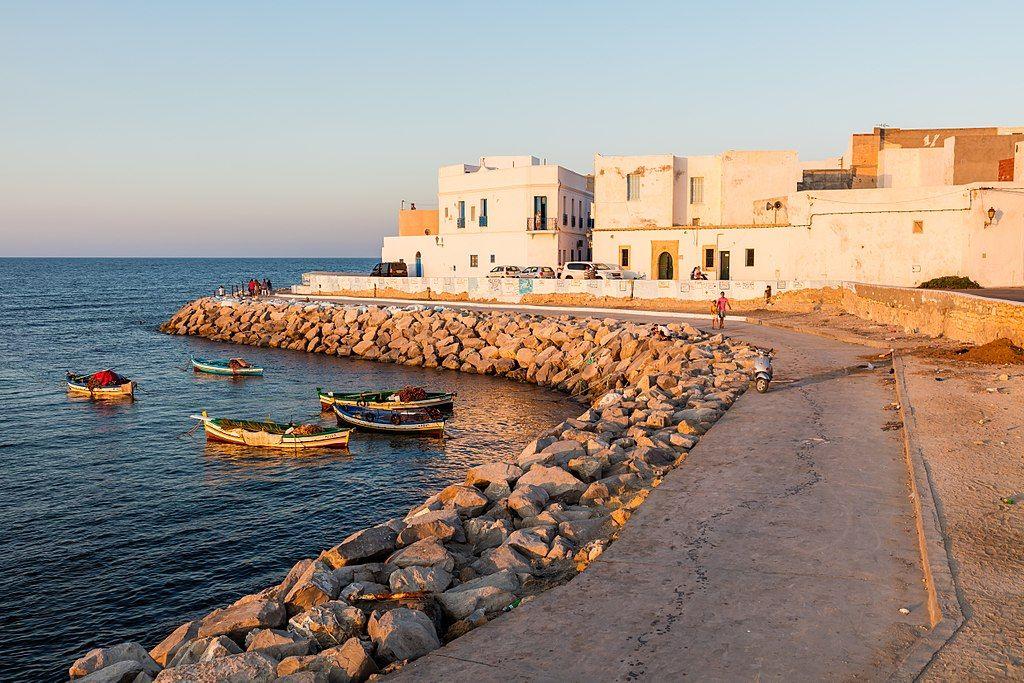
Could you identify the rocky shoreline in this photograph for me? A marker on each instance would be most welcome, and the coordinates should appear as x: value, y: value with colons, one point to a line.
x: 516, y: 527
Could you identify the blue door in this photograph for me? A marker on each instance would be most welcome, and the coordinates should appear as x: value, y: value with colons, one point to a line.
x: 419, y: 265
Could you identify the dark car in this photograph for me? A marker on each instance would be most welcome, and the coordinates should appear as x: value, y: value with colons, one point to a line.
x: 390, y: 269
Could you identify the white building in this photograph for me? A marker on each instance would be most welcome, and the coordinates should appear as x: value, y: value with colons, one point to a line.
x: 506, y: 210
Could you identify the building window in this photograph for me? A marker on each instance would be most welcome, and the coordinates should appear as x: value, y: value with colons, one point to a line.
x: 446, y: 212
x: 624, y: 257
x: 750, y: 258
x: 709, y: 257
x: 472, y: 213
x: 918, y: 227
x: 697, y: 190
x: 473, y: 261
x: 492, y: 258
x: 632, y: 186
x: 483, y: 213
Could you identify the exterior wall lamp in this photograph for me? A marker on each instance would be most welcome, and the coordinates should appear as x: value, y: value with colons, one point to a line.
x: 991, y: 213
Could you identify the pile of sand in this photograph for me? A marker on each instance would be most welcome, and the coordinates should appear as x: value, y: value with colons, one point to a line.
x: 998, y: 352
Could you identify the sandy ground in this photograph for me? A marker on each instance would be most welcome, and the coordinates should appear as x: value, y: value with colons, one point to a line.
x: 973, y: 439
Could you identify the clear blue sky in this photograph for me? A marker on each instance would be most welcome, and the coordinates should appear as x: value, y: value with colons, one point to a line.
x: 295, y: 128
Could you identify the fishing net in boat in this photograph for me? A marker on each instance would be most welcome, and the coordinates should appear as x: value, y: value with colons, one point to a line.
x: 105, y: 378
x: 261, y: 438
x: 237, y: 364
x: 307, y: 430
x: 410, y: 393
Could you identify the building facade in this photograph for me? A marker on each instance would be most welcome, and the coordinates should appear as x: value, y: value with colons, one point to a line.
x: 506, y: 210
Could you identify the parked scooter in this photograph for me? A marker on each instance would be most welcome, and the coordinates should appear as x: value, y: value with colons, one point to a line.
x: 763, y: 369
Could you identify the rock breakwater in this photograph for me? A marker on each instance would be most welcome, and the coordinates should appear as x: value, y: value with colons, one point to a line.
x: 515, y: 527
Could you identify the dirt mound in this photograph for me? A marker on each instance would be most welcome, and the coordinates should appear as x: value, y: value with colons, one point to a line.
x: 1000, y: 352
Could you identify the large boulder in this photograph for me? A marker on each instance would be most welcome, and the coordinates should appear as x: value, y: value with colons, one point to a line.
x: 495, y: 472
x: 170, y: 645
x: 101, y: 658
x: 558, y: 453
x: 317, y: 585
x: 559, y: 484
x: 462, y: 603
x: 247, y: 667
x: 466, y: 500
x: 485, y: 533
x: 443, y: 525
x: 247, y: 614
x: 329, y: 624
x: 527, y: 500
x: 417, y: 579
x: 403, y: 634
x: 127, y: 671
x: 278, y: 644
x: 501, y: 558
x: 350, y: 662
x: 426, y: 553
x: 204, y: 650
x: 362, y: 546
x: 530, y: 542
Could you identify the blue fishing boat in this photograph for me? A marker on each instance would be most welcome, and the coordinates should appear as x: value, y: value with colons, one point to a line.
x: 236, y: 367
x: 401, y: 421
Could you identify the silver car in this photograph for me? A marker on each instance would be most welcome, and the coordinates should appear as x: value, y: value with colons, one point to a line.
x: 545, y: 272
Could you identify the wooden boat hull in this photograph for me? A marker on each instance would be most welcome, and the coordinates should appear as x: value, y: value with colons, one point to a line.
x: 220, y: 368
x: 356, y: 418
x: 329, y: 399
x: 126, y: 390
x: 215, y: 431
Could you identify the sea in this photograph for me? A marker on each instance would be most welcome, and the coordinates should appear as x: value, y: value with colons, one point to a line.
x: 119, y: 522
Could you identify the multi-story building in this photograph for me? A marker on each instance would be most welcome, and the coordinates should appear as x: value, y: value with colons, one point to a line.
x: 506, y: 210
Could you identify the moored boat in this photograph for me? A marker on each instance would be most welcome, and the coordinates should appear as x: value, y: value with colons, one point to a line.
x: 272, y: 434
x: 404, y: 398
x: 235, y: 367
x: 105, y: 384
x: 401, y: 421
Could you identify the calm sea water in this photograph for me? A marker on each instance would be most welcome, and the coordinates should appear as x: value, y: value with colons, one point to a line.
x: 116, y: 525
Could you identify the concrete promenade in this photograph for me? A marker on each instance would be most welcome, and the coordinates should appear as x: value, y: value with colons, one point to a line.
x: 784, y: 548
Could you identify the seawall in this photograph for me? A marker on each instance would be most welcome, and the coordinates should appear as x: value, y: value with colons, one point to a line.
x: 515, y: 527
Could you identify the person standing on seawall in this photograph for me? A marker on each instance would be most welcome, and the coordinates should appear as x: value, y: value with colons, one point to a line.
x: 722, y: 304
x: 768, y: 295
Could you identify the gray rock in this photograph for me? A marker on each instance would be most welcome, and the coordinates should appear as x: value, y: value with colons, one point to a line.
x: 466, y: 500
x: 170, y: 645
x: 584, y: 530
x: 362, y: 546
x: 101, y: 658
x: 527, y: 500
x: 426, y: 553
x: 204, y: 650
x: 352, y: 661
x: 529, y: 542
x: 329, y: 624
x: 558, y: 453
x: 559, y: 484
x: 497, y: 490
x: 247, y: 667
x: 461, y: 604
x: 247, y: 614
x: 493, y: 473
x: 361, y: 589
x: 485, y: 533
x: 443, y: 525
x: 125, y: 671
x: 506, y: 580
x: 278, y: 644
x: 415, y: 579
x: 402, y: 634
x: 317, y: 585
x: 561, y: 549
x: 500, y: 558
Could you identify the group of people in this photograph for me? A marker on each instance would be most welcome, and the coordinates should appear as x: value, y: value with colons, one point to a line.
x: 697, y: 274
x: 253, y: 288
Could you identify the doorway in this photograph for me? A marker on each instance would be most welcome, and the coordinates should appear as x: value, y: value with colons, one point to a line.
x: 540, y: 212
x: 665, y: 266
x: 723, y: 265
x: 419, y: 265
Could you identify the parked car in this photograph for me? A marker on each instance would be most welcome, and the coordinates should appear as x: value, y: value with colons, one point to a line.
x: 579, y: 270
x: 390, y: 269
x: 504, y: 271
x: 546, y: 272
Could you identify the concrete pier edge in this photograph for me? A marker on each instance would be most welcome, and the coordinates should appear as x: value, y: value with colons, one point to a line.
x: 944, y: 607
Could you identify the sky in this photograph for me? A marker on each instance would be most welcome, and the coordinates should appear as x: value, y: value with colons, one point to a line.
x: 296, y: 128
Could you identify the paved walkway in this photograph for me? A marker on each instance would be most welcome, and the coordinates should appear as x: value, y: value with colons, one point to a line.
x: 783, y: 548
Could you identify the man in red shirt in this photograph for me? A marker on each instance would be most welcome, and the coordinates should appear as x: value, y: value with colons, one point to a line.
x: 722, y: 304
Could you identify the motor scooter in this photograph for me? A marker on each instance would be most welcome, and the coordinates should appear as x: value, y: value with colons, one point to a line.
x: 763, y: 369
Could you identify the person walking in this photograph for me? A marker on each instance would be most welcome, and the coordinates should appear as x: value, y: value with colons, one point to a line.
x: 768, y: 295
x: 270, y: 287
x: 252, y: 286
x: 722, y: 304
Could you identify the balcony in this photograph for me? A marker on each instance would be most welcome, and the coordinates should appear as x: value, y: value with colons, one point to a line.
x: 483, y: 221
x: 537, y: 224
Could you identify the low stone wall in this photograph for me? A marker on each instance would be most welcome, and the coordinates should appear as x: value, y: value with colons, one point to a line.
x: 519, y: 525
x: 955, y: 315
x: 517, y: 290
